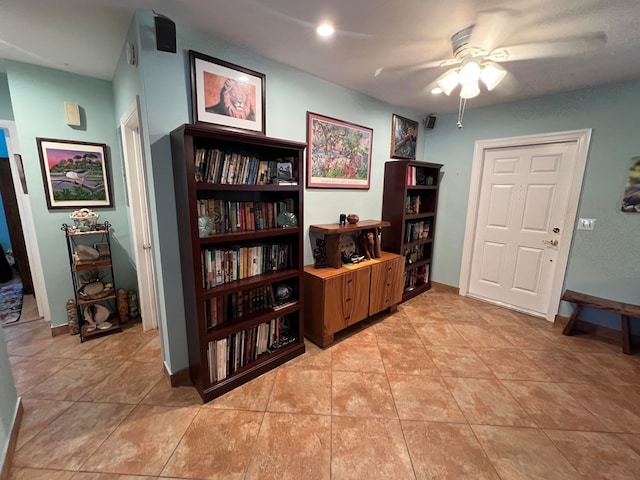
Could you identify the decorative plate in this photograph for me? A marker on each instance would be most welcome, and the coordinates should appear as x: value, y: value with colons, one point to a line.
x: 205, y: 226
x: 93, y: 288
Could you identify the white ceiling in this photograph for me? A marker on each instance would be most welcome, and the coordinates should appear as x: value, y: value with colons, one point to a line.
x: 85, y: 37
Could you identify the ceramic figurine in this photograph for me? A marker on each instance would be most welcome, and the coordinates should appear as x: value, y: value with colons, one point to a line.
x: 343, y: 219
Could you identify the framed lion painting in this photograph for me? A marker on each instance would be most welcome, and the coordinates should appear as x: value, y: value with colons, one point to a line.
x: 227, y: 95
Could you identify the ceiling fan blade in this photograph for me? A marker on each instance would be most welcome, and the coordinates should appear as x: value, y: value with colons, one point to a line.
x: 492, y: 27
x: 550, y: 48
x: 414, y: 68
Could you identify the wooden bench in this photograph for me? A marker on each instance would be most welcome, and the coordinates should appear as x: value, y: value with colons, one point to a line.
x: 582, y: 300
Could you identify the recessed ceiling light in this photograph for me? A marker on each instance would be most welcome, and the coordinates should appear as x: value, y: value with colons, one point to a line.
x: 436, y: 91
x: 325, y: 30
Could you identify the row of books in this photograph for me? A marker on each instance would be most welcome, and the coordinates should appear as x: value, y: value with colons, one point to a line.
x: 415, y: 277
x: 413, y: 254
x: 228, y: 216
x: 225, y: 265
x: 417, y: 230
x: 212, y: 165
x: 412, y: 204
x: 418, y: 176
x: 226, y: 355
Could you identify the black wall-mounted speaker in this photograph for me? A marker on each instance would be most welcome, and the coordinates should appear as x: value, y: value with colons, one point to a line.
x: 430, y: 121
x: 165, y: 34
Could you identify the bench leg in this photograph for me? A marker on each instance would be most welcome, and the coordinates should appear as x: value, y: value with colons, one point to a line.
x: 572, y: 321
x: 626, y: 342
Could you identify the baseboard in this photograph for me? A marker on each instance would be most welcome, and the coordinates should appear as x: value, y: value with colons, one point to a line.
x: 13, y: 440
x: 60, y: 330
x: 441, y: 287
x: 178, y: 379
x: 594, y: 329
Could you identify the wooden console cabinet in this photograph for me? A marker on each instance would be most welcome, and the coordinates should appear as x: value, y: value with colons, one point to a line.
x: 335, y: 298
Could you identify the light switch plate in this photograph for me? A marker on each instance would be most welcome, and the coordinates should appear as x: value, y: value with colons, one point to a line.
x: 586, y: 223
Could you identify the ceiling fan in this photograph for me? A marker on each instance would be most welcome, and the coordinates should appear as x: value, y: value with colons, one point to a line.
x: 478, y: 52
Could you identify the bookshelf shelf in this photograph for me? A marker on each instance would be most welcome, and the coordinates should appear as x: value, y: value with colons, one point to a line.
x: 232, y: 277
x: 410, y: 202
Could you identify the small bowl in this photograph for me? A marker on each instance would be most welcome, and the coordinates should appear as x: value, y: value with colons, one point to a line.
x: 352, y: 218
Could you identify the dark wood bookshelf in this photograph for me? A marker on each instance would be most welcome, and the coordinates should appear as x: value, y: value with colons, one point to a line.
x: 409, y: 203
x: 202, y: 304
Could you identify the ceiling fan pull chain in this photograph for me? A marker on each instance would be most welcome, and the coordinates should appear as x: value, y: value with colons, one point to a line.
x: 463, y: 104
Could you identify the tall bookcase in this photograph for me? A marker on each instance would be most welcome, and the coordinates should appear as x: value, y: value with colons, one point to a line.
x: 241, y: 253
x: 409, y: 203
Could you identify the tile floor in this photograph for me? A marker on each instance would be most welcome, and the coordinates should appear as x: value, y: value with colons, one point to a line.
x: 446, y: 388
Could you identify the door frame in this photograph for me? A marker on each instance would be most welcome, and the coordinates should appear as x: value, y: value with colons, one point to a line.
x: 26, y: 219
x: 135, y: 179
x: 582, y: 139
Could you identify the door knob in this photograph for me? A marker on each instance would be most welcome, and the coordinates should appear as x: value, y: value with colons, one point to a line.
x: 146, y: 246
x: 551, y: 242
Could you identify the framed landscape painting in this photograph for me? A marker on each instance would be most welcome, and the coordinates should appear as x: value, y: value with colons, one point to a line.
x: 227, y: 95
x: 339, y: 153
x: 404, y: 137
x: 75, y: 174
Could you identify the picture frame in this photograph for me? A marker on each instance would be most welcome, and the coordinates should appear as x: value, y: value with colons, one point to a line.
x: 404, y: 137
x: 227, y: 95
x: 75, y: 174
x: 338, y: 153
x: 631, y: 195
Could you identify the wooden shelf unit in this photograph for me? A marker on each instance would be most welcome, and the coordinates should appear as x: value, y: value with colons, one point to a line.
x: 226, y: 316
x: 410, y: 203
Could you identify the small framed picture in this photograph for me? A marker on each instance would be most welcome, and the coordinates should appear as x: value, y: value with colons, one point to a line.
x: 404, y: 137
x: 102, y: 248
x: 284, y: 171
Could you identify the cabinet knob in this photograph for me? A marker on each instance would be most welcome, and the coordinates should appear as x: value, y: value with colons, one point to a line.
x: 350, y: 280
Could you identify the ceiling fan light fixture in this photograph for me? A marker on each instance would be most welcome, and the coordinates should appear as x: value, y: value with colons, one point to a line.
x: 492, y: 75
x: 325, y: 30
x: 470, y: 90
x: 436, y: 91
x: 448, y: 81
x: 469, y: 73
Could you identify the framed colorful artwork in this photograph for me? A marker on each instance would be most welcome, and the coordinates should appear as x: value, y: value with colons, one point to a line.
x: 75, y: 174
x: 338, y: 153
x: 227, y: 95
x: 404, y: 137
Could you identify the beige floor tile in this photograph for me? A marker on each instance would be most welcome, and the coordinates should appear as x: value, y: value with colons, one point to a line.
x: 407, y: 359
x: 458, y: 362
x: 527, y: 338
x: 397, y: 333
x: 463, y: 315
x: 129, y: 383
x: 561, y: 366
x: 143, y: 442
x: 421, y: 313
x: 34, y: 343
x: 120, y: 345
x: 150, y: 352
x: 483, y: 336
x: 631, y: 440
x: 580, y: 343
x: 362, y: 395
x: 523, y: 454
x: 356, y: 357
x: 383, y: 454
x: 424, y: 398
x: 499, y: 317
x: 510, y: 364
x: 70, y: 439
x: 613, y: 368
x: 32, y: 371
x: 110, y: 476
x: 292, y: 447
x: 444, y: 335
x: 487, y: 402
x: 73, y: 381
x: 314, y: 358
x: 253, y: 395
x: 163, y: 394
x: 69, y: 346
x: 445, y: 451
x: 617, y: 407
x: 597, y: 455
x: 37, y: 415
x: 358, y: 333
x: 550, y: 406
x: 217, y: 445
x: 15, y: 330
x: 38, y: 474
x: 297, y: 390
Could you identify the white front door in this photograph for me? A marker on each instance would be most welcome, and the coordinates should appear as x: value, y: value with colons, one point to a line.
x: 139, y: 217
x: 523, y: 224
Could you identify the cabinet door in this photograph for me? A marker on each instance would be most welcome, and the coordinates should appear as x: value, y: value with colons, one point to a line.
x: 346, y: 299
x: 386, y: 284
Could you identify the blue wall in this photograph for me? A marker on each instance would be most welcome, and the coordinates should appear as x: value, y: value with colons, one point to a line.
x: 37, y: 96
x: 600, y: 261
